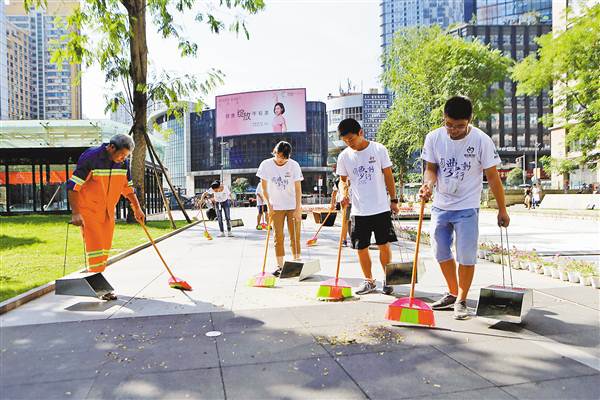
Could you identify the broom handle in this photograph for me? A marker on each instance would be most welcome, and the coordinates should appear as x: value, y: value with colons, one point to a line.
x: 203, y: 220
x: 342, y: 236
x: 413, y: 278
x: 323, y: 222
x: 267, y: 245
x: 157, y: 252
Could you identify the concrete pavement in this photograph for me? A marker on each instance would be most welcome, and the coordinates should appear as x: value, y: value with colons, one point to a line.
x: 282, y: 342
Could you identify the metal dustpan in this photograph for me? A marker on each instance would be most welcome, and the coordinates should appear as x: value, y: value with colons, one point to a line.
x: 237, y: 222
x: 400, y: 273
x: 502, y: 302
x: 88, y: 284
x: 302, y: 269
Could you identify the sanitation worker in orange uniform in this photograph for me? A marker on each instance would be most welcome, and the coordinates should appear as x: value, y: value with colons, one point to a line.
x: 101, y: 177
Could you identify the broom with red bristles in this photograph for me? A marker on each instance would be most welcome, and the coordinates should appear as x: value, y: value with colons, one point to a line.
x: 408, y: 309
x: 313, y: 240
x: 174, y: 282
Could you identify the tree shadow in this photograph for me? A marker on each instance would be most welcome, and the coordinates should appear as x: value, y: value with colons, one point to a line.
x: 10, y: 242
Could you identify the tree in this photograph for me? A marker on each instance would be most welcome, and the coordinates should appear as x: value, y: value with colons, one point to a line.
x: 426, y: 66
x: 560, y: 166
x: 240, y: 185
x: 569, y: 62
x: 515, y: 177
x: 112, y: 34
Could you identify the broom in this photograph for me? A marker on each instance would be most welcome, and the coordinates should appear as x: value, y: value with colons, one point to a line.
x: 264, y: 279
x: 313, y: 240
x: 174, y: 282
x: 206, y: 234
x: 409, y: 309
x: 336, y: 289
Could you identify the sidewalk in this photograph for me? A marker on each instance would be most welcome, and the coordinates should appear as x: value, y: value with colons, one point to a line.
x: 282, y: 342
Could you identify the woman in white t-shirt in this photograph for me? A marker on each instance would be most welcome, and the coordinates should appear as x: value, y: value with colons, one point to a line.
x: 220, y: 196
x: 281, y: 179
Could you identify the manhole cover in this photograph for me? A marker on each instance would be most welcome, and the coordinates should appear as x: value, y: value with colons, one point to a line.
x: 213, y: 333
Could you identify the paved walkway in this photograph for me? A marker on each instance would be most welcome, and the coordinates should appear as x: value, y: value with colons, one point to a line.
x: 282, y: 342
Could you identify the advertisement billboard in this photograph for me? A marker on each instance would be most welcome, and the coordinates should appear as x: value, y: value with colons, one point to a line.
x: 268, y: 111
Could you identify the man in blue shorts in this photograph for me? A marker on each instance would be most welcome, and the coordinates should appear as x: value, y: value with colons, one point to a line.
x: 457, y: 155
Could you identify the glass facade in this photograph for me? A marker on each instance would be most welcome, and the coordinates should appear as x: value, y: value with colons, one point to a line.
x: 510, y: 12
x: 517, y: 129
x: 174, y: 159
x: 247, y: 152
x: 375, y: 108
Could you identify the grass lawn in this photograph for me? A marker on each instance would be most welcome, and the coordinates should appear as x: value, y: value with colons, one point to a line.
x: 32, y: 248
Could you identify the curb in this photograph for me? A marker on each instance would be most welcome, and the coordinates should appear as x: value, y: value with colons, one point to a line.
x: 554, y: 214
x: 32, y: 294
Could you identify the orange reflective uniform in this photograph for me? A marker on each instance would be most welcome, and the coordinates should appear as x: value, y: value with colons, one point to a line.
x: 100, y: 183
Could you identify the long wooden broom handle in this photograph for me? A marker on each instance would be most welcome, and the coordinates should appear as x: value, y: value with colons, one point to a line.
x: 267, y: 245
x: 203, y: 220
x: 413, y: 278
x: 323, y: 222
x: 342, y: 236
x: 157, y: 252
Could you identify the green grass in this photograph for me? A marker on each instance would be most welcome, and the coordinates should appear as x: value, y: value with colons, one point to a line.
x: 32, y: 248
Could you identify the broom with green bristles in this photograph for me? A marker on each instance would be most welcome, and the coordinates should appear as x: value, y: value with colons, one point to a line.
x: 336, y: 289
x: 264, y: 279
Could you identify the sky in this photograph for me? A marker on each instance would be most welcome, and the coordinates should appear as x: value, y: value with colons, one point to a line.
x: 316, y: 44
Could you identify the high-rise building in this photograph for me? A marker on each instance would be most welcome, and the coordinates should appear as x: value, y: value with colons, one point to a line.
x: 18, y: 79
x: 398, y: 14
x: 3, y: 66
x: 517, y: 129
x: 511, y: 12
x: 55, y: 92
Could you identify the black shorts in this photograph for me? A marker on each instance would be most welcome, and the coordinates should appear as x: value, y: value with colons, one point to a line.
x: 363, y: 226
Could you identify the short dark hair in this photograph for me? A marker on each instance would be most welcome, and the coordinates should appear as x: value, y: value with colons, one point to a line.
x: 216, y: 184
x: 349, y: 125
x: 284, y: 148
x: 281, y: 106
x: 459, y: 107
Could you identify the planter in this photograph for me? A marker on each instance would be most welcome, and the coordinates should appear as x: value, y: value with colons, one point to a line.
x: 564, y: 276
x: 584, y: 280
x: 319, y: 216
x: 547, y: 271
x: 555, y: 273
x: 573, y: 276
x: 595, y: 281
x: 489, y: 256
x: 481, y: 254
x: 497, y: 258
x: 532, y: 267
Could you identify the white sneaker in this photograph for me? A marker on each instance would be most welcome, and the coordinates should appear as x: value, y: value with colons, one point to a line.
x: 221, y: 234
x: 229, y: 234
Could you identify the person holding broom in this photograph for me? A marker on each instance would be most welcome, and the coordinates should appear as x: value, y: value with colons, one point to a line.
x: 457, y: 155
x: 102, y: 175
x: 281, y: 178
x: 367, y: 167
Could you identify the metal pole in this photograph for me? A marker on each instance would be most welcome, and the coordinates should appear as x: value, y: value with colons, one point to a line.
x: 536, y: 163
x: 222, y: 157
x: 524, y: 169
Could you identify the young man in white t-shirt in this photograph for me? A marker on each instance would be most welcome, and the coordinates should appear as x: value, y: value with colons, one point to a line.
x: 367, y: 167
x: 281, y: 179
x: 457, y: 156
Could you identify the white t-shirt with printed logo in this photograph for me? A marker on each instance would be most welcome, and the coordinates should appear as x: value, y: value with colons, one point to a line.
x: 460, y: 167
x: 259, y: 191
x: 221, y: 196
x: 364, y: 170
x: 281, y: 182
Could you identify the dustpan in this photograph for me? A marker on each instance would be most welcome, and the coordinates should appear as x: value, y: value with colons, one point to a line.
x: 502, y: 302
x: 301, y: 269
x: 400, y: 273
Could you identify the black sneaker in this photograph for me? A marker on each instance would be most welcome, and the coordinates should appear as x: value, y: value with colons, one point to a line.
x: 388, y: 289
x: 366, y: 287
x: 445, y: 303
x: 460, y: 310
x: 277, y: 272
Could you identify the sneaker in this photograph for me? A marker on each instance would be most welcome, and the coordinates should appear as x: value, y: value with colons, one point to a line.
x: 345, y: 243
x: 388, y: 289
x: 445, y: 303
x: 259, y: 227
x: 222, y: 234
x: 460, y: 310
x: 229, y: 234
x: 277, y: 272
x: 366, y: 287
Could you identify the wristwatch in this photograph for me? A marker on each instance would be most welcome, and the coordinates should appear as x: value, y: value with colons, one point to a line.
x: 394, y: 201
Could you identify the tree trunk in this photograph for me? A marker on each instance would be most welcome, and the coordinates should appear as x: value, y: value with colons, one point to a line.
x: 136, y: 10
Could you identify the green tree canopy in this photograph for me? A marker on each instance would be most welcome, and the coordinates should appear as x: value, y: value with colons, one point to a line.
x: 568, y: 62
x: 425, y: 67
x: 515, y: 177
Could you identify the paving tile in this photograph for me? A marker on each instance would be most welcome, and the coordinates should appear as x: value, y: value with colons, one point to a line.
x: 582, y: 387
x: 559, y: 319
x: 190, y: 384
x: 245, y: 320
x: 302, y: 379
x: 267, y: 346
x: 66, y: 389
x: 344, y: 313
x: 493, y: 393
x: 512, y: 361
x: 407, y: 374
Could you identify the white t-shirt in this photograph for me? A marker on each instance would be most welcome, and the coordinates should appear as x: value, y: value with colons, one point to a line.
x: 364, y: 170
x: 281, y: 182
x: 536, y: 193
x: 460, y: 167
x: 222, y: 196
x: 259, y: 191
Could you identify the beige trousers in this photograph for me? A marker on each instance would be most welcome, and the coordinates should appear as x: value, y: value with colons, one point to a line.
x: 279, y: 216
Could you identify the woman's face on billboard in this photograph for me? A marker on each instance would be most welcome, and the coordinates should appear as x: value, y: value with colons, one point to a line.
x: 278, y: 109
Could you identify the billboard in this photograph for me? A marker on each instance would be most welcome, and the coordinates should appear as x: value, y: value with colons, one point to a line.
x: 268, y: 111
